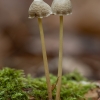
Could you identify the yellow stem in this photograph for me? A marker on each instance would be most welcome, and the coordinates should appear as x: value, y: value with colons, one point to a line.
x: 45, y: 59
x: 60, y: 59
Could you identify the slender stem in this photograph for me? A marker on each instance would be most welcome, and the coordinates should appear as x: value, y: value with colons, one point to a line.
x: 45, y: 59
x: 60, y: 59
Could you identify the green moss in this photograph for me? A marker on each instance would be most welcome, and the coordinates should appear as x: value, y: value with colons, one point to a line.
x: 11, y: 84
x: 15, y: 86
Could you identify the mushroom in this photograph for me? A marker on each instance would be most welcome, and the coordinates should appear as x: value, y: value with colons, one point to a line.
x: 60, y: 7
x: 40, y: 9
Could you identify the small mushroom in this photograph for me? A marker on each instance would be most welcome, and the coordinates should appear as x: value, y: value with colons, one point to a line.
x: 40, y: 9
x: 60, y: 7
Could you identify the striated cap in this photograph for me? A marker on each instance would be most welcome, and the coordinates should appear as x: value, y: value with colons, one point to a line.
x: 39, y: 9
x: 61, y: 7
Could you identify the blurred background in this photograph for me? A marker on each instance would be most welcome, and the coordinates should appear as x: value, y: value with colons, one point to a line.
x: 20, y: 45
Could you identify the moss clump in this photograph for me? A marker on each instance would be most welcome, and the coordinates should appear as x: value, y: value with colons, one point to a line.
x: 11, y: 83
x: 15, y: 86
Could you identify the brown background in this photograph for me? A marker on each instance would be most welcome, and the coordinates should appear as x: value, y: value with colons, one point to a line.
x: 20, y: 45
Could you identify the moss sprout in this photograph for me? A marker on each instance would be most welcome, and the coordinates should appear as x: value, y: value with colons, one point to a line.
x: 15, y: 86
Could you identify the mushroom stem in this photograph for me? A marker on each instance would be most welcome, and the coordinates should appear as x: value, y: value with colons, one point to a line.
x: 60, y: 60
x: 45, y: 59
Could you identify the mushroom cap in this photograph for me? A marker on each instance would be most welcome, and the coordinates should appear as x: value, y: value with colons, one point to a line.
x: 39, y: 9
x: 61, y: 7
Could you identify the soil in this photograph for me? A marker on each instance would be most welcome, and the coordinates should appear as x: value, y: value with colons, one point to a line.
x: 94, y: 94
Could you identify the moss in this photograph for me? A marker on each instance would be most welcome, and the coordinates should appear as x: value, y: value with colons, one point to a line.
x: 11, y: 84
x: 15, y: 86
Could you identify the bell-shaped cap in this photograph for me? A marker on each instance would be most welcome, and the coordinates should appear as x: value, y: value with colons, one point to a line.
x: 61, y: 7
x: 39, y: 9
